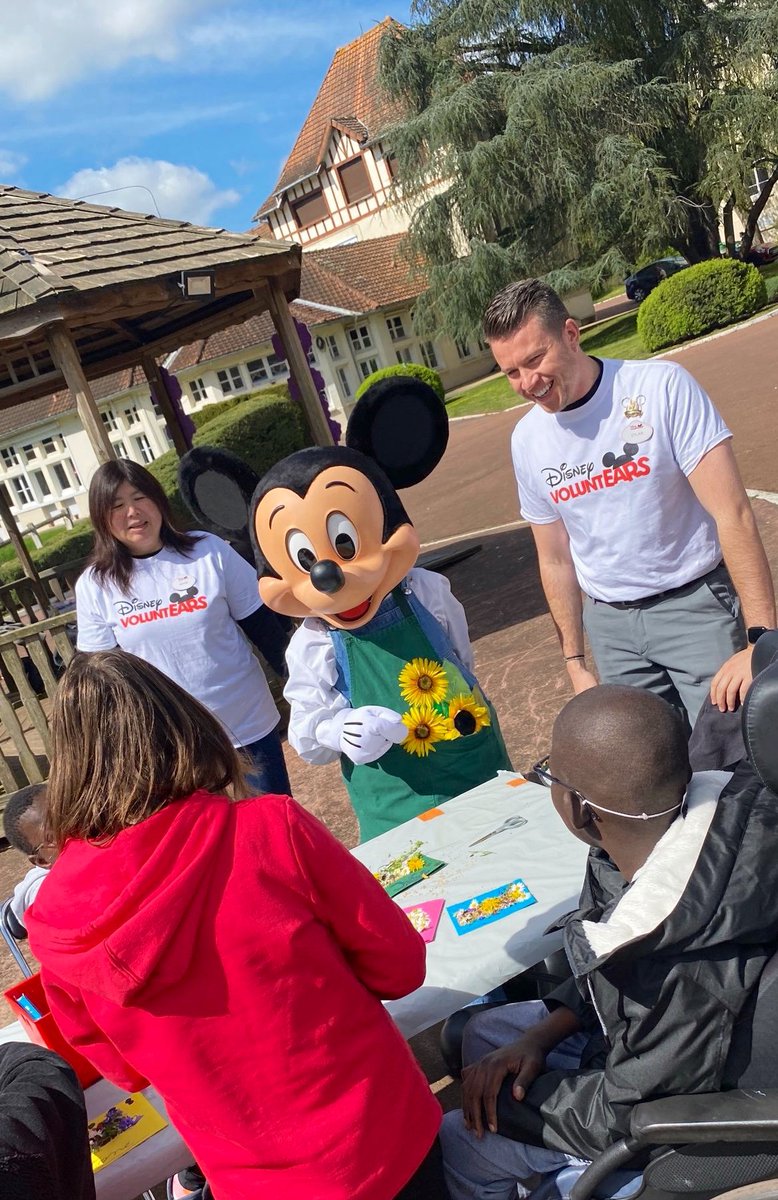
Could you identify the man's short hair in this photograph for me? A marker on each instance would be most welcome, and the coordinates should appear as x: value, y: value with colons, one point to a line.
x: 516, y: 303
x: 15, y: 808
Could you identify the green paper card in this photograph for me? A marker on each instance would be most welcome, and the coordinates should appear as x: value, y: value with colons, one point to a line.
x: 406, y: 869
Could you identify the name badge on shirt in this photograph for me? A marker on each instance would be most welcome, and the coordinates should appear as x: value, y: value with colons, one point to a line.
x: 636, y: 429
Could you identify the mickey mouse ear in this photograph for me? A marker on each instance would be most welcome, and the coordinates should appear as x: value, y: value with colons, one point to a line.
x: 217, y: 488
x: 402, y: 424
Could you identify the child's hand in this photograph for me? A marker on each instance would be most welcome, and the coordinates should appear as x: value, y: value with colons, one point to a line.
x: 481, y: 1082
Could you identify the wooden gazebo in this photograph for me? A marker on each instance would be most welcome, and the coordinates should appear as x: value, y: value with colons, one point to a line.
x: 86, y: 290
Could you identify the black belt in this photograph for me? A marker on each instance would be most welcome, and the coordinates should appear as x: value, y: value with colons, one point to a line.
x: 676, y: 591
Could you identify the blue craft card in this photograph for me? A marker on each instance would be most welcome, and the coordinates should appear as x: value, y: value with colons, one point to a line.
x: 505, y: 893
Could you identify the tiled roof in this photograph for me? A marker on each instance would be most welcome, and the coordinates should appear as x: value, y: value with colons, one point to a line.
x: 32, y: 412
x: 359, y: 278
x: 349, y: 98
x: 363, y: 275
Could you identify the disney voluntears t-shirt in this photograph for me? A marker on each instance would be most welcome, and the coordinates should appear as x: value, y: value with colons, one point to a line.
x: 614, y: 470
x: 179, y: 614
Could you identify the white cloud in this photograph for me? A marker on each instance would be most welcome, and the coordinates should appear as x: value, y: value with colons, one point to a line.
x: 181, y: 193
x: 11, y: 164
x: 51, y: 43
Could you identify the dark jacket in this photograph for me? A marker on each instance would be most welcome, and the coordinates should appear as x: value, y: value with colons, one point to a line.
x: 669, y: 964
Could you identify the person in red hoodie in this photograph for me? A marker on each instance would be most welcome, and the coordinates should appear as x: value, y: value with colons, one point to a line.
x: 227, y: 950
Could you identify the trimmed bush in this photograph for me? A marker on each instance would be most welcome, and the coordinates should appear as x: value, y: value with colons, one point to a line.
x: 203, y: 416
x: 415, y: 370
x: 707, y: 296
x: 261, y: 431
x: 68, y: 545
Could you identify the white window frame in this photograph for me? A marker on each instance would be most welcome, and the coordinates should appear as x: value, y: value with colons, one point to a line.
x: 332, y: 346
x: 428, y: 355
x: 25, y: 496
x: 39, y: 479
x: 109, y: 420
x: 279, y: 367
x: 258, y: 371
x: 198, y: 391
x: 231, y: 380
x: 10, y: 457
x: 463, y: 349
x: 396, y: 328
x: 367, y: 366
x: 144, y: 448
x: 344, y: 383
x: 132, y: 416
x: 404, y: 354
x: 360, y: 338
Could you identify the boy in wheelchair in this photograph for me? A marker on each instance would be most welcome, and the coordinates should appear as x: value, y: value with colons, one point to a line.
x: 666, y: 954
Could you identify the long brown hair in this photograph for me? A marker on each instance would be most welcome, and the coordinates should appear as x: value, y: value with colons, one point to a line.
x: 126, y: 742
x: 110, y: 559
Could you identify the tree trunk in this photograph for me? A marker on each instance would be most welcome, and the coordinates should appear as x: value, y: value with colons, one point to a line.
x: 702, y: 234
x: 729, y: 225
x: 747, y: 240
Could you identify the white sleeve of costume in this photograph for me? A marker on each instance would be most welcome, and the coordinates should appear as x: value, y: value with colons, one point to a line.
x: 25, y: 892
x: 434, y: 592
x: 311, y: 691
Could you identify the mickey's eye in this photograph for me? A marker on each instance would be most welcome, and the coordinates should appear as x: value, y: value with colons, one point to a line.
x: 342, y: 535
x: 300, y: 550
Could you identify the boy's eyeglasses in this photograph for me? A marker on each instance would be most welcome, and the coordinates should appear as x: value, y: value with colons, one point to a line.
x: 541, y: 774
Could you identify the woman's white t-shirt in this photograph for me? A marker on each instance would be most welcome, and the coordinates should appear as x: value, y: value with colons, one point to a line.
x: 179, y: 613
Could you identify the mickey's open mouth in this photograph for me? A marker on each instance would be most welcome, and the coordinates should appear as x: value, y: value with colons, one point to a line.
x: 354, y: 614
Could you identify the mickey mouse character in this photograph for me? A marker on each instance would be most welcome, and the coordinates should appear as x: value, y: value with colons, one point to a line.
x: 381, y: 668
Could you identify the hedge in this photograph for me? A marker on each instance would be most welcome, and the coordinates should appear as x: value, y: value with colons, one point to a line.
x: 261, y: 430
x: 415, y: 370
x: 203, y: 416
x: 706, y: 296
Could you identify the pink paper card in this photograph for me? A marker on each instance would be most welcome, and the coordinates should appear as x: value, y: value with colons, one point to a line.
x: 424, y: 917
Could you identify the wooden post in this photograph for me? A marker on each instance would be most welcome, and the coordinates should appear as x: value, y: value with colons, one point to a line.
x: 22, y: 553
x: 298, y: 362
x: 160, y: 393
x: 66, y: 358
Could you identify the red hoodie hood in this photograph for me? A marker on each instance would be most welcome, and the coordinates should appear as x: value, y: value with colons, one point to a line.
x: 138, y: 903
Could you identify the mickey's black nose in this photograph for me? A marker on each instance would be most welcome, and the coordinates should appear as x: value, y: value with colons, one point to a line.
x: 326, y: 576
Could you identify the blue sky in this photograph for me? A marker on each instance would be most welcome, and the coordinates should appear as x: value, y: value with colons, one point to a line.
x: 197, y: 100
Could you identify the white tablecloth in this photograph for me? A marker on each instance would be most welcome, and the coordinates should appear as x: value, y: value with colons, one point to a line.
x: 542, y: 853
x: 146, y: 1165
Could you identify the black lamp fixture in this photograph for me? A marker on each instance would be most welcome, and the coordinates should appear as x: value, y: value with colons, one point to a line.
x: 197, y: 284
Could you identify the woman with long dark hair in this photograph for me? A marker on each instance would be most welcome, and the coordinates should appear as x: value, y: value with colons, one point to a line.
x: 183, y: 602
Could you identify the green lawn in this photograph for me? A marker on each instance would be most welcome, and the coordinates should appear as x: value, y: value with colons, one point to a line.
x: 616, y: 338
x: 45, y: 535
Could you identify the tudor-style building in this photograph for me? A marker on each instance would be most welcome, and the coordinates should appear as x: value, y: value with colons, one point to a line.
x: 337, y: 185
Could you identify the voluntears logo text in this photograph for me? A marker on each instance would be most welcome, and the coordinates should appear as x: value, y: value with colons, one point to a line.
x: 138, y: 612
x: 607, y: 478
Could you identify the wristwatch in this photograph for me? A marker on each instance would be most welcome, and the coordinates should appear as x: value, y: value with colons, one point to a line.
x: 754, y: 632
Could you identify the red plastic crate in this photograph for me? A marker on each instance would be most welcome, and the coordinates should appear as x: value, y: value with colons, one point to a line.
x: 45, y: 1031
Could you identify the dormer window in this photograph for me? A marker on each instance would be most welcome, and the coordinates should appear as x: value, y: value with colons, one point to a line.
x: 310, y: 209
x: 355, y: 180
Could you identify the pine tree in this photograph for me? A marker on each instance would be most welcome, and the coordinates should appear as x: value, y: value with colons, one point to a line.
x: 567, y: 138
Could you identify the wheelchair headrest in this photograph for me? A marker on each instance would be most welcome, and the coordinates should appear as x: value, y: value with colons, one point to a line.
x: 760, y: 711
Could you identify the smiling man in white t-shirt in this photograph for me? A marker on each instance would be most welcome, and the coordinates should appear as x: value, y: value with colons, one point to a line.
x: 641, y: 522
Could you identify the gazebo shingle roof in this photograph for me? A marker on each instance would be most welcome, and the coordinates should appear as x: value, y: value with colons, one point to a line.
x: 50, y: 245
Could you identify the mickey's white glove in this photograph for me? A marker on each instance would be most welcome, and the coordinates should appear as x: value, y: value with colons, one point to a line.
x: 362, y: 734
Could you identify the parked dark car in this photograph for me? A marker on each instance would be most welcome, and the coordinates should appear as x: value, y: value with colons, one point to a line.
x: 762, y: 254
x: 638, y: 285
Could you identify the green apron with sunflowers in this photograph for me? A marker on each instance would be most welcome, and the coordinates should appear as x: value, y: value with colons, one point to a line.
x: 403, y: 659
